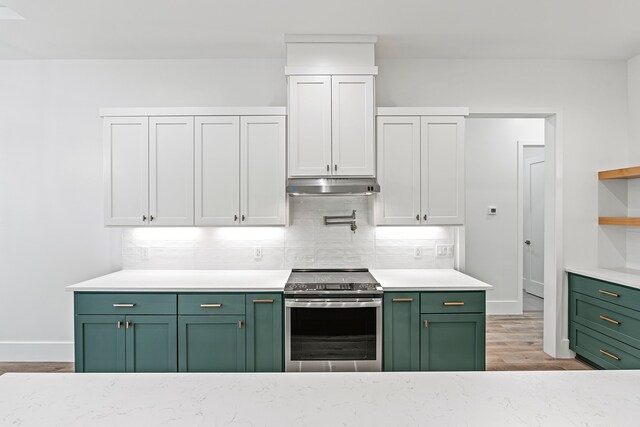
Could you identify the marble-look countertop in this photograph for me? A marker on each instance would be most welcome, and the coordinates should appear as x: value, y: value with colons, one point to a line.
x: 565, y: 398
x: 186, y: 281
x: 621, y: 276
x: 265, y: 281
x: 428, y: 280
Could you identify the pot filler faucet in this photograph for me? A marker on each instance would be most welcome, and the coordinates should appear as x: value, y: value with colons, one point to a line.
x: 346, y: 219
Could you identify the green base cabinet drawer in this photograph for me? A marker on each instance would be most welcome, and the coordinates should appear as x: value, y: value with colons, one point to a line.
x: 265, y: 334
x: 211, y: 304
x: 124, y: 303
x: 211, y: 343
x: 613, y: 320
x: 401, y: 334
x: 452, y: 302
x: 452, y: 342
x: 602, y: 350
x: 605, y: 291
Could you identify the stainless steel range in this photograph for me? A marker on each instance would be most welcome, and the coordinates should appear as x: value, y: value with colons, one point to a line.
x: 333, y: 321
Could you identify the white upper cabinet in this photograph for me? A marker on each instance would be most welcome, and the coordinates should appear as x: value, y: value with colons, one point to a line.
x: 217, y: 165
x: 420, y: 170
x: 171, y: 171
x: 352, y: 111
x: 309, y: 125
x: 262, y: 166
x: 331, y: 126
x: 398, y: 170
x: 126, y: 162
x: 442, y: 158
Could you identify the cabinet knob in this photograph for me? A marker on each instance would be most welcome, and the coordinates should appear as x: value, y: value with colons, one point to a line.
x: 151, y: 218
x: 144, y: 218
x: 243, y: 218
x: 240, y: 324
x: 335, y: 168
x: 425, y: 217
x: 418, y: 217
x: 328, y: 168
x: 235, y: 218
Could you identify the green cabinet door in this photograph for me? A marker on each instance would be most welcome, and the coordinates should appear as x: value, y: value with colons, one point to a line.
x: 452, y: 342
x: 211, y: 343
x: 264, y: 333
x: 100, y: 343
x: 151, y: 343
x: 401, y: 335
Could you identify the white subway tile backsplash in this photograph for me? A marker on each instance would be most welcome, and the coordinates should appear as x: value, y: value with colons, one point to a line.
x: 305, y: 243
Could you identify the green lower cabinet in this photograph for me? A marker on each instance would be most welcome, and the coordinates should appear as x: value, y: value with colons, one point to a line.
x: 211, y: 343
x: 264, y: 333
x: 401, y: 335
x: 100, y: 343
x: 151, y: 343
x: 452, y: 342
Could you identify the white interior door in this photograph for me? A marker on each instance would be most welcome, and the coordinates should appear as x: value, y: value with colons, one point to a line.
x: 352, y: 105
x: 171, y: 171
x: 442, y: 176
x: 398, y: 171
x: 309, y: 125
x: 217, y: 170
x: 262, y: 170
x: 533, y: 222
x: 126, y: 170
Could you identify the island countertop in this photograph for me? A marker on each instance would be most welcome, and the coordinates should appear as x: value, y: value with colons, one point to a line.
x: 576, y: 398
x: 265, y: 281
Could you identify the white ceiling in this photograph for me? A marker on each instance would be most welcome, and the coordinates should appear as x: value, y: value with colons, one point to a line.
x: 65, y: 29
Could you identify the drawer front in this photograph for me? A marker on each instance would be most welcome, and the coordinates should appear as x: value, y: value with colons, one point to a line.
x: 211, y: 303
x: 612, y: 320
x: 125, y: 303
x: 605, y: 291
x: 601, y: 349
x: 452, y: 302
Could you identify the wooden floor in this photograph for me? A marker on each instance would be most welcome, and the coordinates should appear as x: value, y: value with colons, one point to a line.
x: 514, y: 343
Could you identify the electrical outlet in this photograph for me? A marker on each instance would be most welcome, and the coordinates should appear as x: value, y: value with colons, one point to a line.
x: 444, y: 250
x: 257, y: 254
x: 417, y: 252
x: 145, y: 253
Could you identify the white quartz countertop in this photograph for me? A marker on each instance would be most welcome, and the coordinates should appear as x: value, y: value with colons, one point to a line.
x: 187, y: 281
x: 428, y: 280
x: 565, y: 398
x: 264, y: 281
x: 621, y: 276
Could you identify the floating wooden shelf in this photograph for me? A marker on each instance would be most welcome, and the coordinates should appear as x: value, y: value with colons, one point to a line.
x: 619, y: 220
x: 625, y: 173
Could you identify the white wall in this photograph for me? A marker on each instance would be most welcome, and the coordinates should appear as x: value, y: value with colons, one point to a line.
x: 51, y: 207
x: 633, y: 233
x: 491, y: 177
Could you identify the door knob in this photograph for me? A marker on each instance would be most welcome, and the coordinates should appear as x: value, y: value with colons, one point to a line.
x: 527, y: 242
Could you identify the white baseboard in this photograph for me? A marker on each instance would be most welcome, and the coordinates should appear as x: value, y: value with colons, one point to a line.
x: 504, y: 307
x: 563, y: 350
x: 23, y: 351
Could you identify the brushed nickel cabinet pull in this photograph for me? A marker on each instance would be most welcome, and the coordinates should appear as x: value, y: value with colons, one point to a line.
x: 426, y: 323
x: 262, y: 301
x: 210, y: 305
x: 453, y: 303
x: 124, y: 305
x: 119, y: 324
x: 127, y: 324
x: 611, y: 294
x: 402, y: 300
x: 240, y: 323
x: 610, y: 320
x: 606, y: 353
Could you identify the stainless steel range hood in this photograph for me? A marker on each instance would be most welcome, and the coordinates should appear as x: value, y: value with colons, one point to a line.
x: 332, y: 186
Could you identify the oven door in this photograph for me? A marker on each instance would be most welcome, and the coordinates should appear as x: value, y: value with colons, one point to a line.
x: 333, y: 334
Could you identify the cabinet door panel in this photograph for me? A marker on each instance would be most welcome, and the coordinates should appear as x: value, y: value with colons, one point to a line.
x: 217, y: 170
x: 126, y: 163
x: 442, y: 158
x: 309, y: 125
x: 264, y: 333
x: 171, y: 170
x: 151, y: 343
x: 263, y: 178
x: 452, y: 342
x: 99, y: 343
x: 398, y: 170
x: 401, y: 331
x: 211, y: 344
x: 352, y: 112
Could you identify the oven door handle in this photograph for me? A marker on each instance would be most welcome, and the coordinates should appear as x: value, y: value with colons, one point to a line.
x: 332, y: 304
